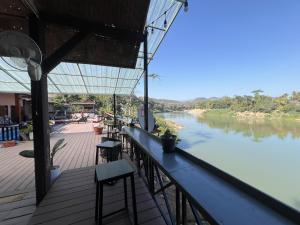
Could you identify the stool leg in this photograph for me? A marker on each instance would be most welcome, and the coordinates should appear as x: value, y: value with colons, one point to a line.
x: 133, y: 199
x: 101, y: 204
x: 97, y: 155
x: 125, y: 192
x: 97, y: 201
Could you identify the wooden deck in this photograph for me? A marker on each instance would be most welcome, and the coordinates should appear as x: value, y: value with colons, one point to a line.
x: 71, y: 200
x: 17, y: 185
x: 17, y: 172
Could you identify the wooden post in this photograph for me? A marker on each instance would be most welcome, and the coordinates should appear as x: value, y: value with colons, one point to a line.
x: 40, y: 120
x: 41, y: 137
x: 146, y: 79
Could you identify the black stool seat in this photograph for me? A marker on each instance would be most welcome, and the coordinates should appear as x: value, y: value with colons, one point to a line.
x: 111, y: 148
x: 108, y: 172
x: 113, y: 170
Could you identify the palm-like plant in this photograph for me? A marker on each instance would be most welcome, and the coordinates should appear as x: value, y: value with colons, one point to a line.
x: 57, y: 146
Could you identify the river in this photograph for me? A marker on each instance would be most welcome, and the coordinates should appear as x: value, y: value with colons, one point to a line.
x: 264, y: 154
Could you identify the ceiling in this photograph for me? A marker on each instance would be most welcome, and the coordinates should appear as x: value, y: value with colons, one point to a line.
x: 110, y: 61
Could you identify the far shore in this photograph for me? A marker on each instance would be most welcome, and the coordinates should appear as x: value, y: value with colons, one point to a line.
x: 175, y: 126
x: 196, y: 112
x: 247, y: 115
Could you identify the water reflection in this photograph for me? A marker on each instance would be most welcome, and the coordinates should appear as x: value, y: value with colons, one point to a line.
x: 262, y: 153
x: 256, y: 129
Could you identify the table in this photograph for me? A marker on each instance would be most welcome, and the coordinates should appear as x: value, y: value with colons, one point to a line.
x: 222, y: 198
x: 108, y: 172
x: 111, y: 147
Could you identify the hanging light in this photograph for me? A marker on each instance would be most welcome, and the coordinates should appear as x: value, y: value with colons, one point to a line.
x: 186, y: 6
x: 165, y: 22
x: 152, y: 29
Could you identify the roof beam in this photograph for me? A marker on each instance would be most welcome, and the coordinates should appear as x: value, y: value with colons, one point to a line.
x: 105, y: 30
x: 14, y: 78
x: 54, y: 84
x: 117, y: 81
x: 95, y: 86
x: 53, y: 60
x: 78, y: 75
x: 82, y: 79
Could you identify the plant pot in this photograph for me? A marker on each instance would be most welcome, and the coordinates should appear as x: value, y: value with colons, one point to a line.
x: 7, y: 144
x: 55, y: 173
x: 168, y: 143
x: 98, y: 130
x: 30, y: 136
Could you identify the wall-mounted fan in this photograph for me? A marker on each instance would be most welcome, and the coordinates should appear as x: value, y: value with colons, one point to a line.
x: 19, y: 51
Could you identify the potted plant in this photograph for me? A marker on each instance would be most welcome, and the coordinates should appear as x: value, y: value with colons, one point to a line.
x: 30, y: 131
x: 131, y: 123
x: 98, y: 129
x: 55, y: 171
x: 168, y: 141
x: 26, y: 132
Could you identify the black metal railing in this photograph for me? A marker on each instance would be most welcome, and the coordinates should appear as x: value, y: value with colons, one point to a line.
x: 180, y: 207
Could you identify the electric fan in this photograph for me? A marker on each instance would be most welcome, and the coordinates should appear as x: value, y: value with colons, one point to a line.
x: 20, y: 52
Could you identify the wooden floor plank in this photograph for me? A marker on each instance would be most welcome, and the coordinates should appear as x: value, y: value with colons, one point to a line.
x: 71, y: 199
x: 77, y: 205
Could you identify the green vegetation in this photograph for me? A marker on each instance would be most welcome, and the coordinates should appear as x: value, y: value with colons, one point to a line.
x: 126, y: 106
x: 256, y: 129
x: 164, y: 125
x: 285, y: 106
x: 57, y: 146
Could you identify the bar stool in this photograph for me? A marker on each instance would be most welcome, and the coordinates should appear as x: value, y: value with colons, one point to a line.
x: 108, y: 172
x: 123, y: 137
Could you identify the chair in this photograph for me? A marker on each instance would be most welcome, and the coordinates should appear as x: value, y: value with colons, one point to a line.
x: 109, y: 172
x: 104, y: 152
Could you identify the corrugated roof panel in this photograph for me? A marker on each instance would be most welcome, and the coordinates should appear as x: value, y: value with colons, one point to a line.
x: 73, y: 78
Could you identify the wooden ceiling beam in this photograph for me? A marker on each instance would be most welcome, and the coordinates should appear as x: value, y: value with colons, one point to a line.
x: 102, y: 30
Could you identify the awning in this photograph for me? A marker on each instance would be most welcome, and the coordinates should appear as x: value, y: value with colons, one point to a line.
x: 79, y: 78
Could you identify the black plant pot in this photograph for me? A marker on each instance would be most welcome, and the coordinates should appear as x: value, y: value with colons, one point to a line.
x: 168, y: 143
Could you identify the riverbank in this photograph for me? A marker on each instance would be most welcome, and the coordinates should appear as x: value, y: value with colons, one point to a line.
x: 196, y: 112
x: 167, y: 124
x: 246, y: 115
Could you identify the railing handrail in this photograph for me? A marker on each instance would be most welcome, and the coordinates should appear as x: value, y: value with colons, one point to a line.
x: 251, y: 196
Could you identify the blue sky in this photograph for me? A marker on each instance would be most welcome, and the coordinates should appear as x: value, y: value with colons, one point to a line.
x: 229, y: 47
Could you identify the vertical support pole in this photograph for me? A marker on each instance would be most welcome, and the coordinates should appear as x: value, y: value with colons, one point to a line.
x: 177, y: 193
x: 183, y: 208
x: 151, y: 176
x: 146, y: 79
x: 115, y: 118
x: 40, y: 118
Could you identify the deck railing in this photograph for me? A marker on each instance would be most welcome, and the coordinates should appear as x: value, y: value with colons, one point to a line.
x: 9, y: 132
x: 195, y: 190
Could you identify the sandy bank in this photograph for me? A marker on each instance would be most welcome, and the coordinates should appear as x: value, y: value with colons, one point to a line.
x: 175, y: 126
x: 196, y: 112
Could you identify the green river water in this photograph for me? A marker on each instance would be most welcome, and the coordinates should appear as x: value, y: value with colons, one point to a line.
x: 264, y: 154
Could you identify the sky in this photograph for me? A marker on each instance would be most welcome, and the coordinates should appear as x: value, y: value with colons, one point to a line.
x: 229, y: 47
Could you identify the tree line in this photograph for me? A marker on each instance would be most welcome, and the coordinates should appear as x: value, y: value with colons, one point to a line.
x: 257, y: 102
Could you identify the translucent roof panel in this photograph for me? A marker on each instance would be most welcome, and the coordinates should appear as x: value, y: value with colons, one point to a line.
x: 75, y: 78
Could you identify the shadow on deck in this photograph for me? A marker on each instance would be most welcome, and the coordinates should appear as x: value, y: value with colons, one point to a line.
x: 71, y: 200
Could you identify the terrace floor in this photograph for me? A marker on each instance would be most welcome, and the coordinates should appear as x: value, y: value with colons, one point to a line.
x: 17, y: 187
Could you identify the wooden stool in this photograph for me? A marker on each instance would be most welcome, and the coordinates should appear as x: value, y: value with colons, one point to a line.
x: 107, y: 173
